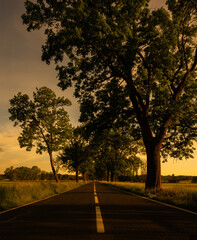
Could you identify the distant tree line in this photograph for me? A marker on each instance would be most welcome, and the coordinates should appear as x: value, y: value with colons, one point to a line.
x: 181, y: 178
x: 34, y: 173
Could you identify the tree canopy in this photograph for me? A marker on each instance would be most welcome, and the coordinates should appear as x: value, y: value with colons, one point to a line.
x: 74, y: 155
x: 43, y: 120
x: 151, y: 54
x: 116, y: 152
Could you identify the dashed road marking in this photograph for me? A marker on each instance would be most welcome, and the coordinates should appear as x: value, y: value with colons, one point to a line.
x: 99, y: 220
x: 96, y: 199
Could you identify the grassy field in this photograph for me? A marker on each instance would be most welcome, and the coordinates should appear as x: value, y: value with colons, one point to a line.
x: 13, y: 194
x: 179, y: 194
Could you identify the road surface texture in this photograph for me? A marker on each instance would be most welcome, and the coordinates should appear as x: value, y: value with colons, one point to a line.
x: 97, y: 211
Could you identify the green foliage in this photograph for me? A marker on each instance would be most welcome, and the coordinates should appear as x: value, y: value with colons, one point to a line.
x: 44, y: 122
x: 149, y: 55
x: 22, y: 173
x: 109, y: 108
x: 194, y: 179
x: 176, y: 179
x: 77, y: 156
x: 73, y: 154
x: 34, y: 173
x: 116, y: 152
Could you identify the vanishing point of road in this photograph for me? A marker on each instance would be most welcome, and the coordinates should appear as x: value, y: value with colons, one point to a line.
x: 96, y: 211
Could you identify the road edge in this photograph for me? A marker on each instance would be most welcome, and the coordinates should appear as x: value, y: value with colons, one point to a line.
x: 39, y: 200
x: 150, y: 199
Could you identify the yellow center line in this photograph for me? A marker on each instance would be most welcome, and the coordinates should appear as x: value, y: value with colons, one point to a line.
x: 96, y: 199
x: 99, y: 220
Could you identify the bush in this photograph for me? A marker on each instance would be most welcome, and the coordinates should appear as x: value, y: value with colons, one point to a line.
x: 194, y: 179
x: 124, y: 178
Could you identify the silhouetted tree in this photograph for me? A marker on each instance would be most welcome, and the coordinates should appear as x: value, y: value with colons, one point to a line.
x: 44, y: 121
x: 151, y: 54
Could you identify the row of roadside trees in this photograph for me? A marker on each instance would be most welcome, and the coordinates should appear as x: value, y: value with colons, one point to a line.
x: 106, y: 157
x: 35, y: 173
x: 45, y: 125
x: 144, y: 59
x: 133, y: 70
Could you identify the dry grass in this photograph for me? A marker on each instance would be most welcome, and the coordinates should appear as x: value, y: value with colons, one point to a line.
x: 180, y: 194
x: 13, y: 194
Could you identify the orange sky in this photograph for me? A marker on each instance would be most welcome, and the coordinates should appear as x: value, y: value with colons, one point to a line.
x: 22, y: 70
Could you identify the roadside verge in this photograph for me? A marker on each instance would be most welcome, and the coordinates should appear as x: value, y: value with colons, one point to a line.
x: 14, y: 195
x: 159, y: 197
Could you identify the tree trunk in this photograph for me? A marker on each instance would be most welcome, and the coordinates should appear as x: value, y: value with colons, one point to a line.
x: 153, y: 150
x: 84, y: 176
x: 112, y: 176
x: 153, y: 179
x: 77, y: 175
x: 53, y: 168
x: 133, y: 172
x: 108, y: 174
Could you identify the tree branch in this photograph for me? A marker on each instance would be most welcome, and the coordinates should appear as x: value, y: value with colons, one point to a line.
x: 150, y: 74
x: 161, y: 133
x: 44, y: 138
x: 180, y: 86
x: 185, y: 58
x: 175, y: 74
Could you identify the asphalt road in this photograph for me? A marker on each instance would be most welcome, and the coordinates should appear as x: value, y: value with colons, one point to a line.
x: 97, y: 213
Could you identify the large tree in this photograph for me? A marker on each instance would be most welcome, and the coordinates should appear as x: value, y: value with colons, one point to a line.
x: 44, y: 121
x: 152, y: 55
x: 74, y: 155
